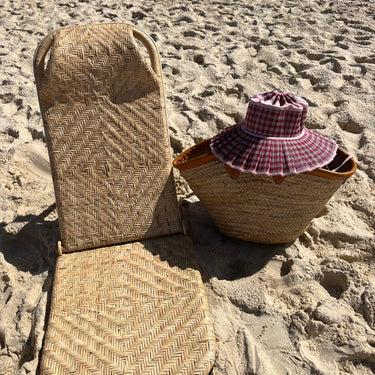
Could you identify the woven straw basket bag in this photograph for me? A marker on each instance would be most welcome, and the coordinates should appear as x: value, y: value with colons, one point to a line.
x: 259, y: 208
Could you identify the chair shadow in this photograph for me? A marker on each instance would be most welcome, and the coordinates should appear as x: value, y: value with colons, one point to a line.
x: 224, y: 257
x: 31, y: 248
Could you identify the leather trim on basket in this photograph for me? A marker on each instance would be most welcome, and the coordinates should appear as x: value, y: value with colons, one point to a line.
x: 195, y: 156
x: 201, y: 153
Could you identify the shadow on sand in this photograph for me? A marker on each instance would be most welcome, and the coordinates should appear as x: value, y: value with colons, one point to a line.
x: 224, y: 257
x: 31, y: 248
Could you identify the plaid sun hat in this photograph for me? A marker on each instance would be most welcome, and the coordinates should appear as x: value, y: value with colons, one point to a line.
x: 273, y: 139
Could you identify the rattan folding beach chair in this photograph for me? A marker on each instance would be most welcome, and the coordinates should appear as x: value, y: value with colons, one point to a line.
x: 127, y: 296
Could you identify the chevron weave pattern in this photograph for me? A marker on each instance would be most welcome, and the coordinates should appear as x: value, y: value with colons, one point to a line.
x: 104, y: 117
x: 138, y: 308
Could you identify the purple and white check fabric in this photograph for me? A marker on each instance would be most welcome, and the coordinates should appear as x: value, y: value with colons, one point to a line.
x: 273, y: 139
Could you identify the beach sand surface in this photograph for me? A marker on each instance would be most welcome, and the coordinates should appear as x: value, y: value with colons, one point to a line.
x: 306, y: 307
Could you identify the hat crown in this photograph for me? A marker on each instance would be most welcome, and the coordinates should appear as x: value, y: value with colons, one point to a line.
x: 273, y: 140
x: 276, y: 114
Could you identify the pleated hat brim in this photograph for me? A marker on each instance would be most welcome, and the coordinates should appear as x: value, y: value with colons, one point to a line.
x: 272, y: 156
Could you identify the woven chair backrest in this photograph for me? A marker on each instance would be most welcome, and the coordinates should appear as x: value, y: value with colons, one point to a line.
x: 103, y: 110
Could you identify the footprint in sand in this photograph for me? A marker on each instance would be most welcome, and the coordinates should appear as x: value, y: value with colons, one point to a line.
x: 350, y: 125
x: 335, y: 282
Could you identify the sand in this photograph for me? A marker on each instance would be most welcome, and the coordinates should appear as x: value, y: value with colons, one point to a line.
x: 307, y: 307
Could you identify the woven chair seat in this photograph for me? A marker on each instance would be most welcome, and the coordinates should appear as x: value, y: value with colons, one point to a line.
x: 137, y: 308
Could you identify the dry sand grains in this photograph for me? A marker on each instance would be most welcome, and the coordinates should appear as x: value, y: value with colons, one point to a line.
x: 302, y: 308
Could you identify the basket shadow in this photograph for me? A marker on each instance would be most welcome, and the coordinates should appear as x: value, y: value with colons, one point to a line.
x: 224, y: 257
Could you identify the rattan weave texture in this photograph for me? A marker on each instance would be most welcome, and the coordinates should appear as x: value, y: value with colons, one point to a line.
x: 138, y: 308
x: 254, y: 207
x: 135, y: 308
x: 104, y: 116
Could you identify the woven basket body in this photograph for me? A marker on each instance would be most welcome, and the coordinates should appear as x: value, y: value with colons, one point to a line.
x: 253, y: 207
x: 119, y: 306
